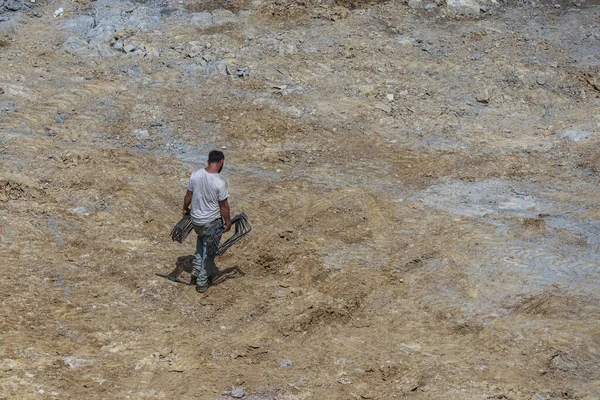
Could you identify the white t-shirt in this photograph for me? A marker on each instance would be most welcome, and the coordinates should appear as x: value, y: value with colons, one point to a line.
x: 208, y: 189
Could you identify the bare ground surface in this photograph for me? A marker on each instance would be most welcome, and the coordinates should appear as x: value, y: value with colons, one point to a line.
x: 423, y: 191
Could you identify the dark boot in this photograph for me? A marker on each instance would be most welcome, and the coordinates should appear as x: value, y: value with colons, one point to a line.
x: 202, y: 288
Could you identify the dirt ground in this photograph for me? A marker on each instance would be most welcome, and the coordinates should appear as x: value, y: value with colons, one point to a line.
x: 422, y: 184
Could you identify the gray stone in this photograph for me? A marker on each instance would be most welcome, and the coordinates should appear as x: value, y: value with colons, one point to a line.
x: 61, y: 117
x: 142, y: 22
x: 80, y: 24
x: 80, y: 210
x: 576, y: 136
x: 152, y: 51
x: 75, y: 46
x: 237, y: 393
x: 222, y: 16
x: 563, y: 362
x: 221, y: 67
x: 101, y: 33
x: 384, y: 107
x: 285, y: 363
x: 10, y: 5
x: 139, y: 53
x: 128, y: 48
x: 483, y: 96
x: 141, y: 134
x: 202, y: 20
x: 74, y: 362
x: 464, y: 7
x: 194, y: 52
x: 118, y: 45
x: 243, y: 73
x: 404, y: 40
x: 8, y: 24
x: 51, y: 132
x: 8, y: 107
x: 416, y: 4
x: 211, y: 68
x: 232, y: 69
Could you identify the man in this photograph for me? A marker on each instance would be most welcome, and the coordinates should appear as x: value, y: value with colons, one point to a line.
x: 206, y: 200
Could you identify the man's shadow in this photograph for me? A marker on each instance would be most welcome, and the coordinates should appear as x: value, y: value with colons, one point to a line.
x: 185, y: 264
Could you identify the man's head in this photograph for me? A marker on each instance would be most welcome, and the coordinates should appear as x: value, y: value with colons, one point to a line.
x: 216, y: 157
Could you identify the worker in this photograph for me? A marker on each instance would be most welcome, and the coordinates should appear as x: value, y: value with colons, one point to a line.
x: 206, y: 201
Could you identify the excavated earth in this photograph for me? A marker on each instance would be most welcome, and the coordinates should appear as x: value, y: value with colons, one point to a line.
x: 422, y: 182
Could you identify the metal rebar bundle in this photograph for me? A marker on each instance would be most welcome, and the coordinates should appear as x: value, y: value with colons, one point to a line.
x: 182, y: 229
x: 241, y: 228
x: 215, y: 248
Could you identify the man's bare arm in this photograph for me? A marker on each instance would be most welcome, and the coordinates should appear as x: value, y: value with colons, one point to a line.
x: 224, y: 208
x: 187, y: 201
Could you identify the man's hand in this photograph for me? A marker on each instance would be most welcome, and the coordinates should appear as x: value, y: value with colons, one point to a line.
x: 184, y: 212
x: 227, y: 227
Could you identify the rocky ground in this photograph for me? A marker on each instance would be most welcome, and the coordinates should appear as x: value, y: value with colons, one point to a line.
x: 422, y: 179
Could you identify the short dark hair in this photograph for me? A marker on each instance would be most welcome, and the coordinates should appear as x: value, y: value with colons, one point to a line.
x: 215, y: 156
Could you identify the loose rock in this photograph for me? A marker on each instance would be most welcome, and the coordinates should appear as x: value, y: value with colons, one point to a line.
x: 464, y: 7
x: 222, y: 16
x: 202, y: 20
x: 81, y: 24
x: 237, y: 393
x: 483, y: 96
x: 10, y: 5
x: 384, y: 107
x: 576, y: 136
x: 129, y: 48
x: 416, y: 4
x: 141, y: 134
x: 75, y: 46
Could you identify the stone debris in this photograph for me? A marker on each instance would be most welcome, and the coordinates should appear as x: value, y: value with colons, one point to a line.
x: 10, y: 5
x: 464, y: 7
x: 203, y: 20
x: 75, y: 46
x: 8, y: 107
x: 483, y: 96
x: 384, y: 107
x: 575, y: 135
x: 243, y: 73
x: 74, y: 362
x: 285, y: 363
x: 129, y: 48
x: 141, y: 134
x: 82, y: 23
x: 237, y: 393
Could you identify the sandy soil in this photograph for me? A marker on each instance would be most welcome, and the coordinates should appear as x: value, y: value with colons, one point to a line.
x: 423, y: 189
